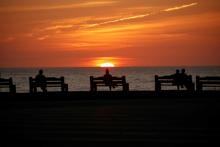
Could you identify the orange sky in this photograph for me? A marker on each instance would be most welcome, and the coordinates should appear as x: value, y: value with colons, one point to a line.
x: 69, y: 33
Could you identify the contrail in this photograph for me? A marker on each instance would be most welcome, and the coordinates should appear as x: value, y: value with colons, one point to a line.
x: 119, y: 20
x: 180, y: 7
x: 143, y: 15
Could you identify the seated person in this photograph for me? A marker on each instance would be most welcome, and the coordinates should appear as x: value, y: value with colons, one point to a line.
x: 185, y: 80
x: 108, y: 79
x: 41, y: 80
x: 176, y: 78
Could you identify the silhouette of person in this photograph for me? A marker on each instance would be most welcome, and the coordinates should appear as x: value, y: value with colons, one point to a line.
x: 108, y: 79
x: 185, y: 81
x: 41, y: 80
x: 177, y: 78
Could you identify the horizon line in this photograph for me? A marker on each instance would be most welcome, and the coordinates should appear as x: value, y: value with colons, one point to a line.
x: 159, y: 66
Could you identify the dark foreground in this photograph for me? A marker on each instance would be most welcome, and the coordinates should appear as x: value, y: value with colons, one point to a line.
x: 103, y: 118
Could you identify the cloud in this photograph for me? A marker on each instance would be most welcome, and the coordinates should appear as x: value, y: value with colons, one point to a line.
x: 55, y: 7
x: 85, y: 23
x: 43, y: 37
x: 6, y: 40
x: 180, y: 7
x: 55, y: 27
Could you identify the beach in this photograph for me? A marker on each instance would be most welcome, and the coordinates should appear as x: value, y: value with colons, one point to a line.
x: 103, y: 118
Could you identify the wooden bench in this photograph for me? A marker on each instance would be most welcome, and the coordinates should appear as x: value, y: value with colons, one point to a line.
x: 170, y: 81
x: 50, y: 82
x: 116, y: 81
x: 202, y: 82
x: 8, y: 83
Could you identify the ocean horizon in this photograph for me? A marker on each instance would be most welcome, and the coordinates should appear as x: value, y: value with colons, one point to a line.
x: 77, y: 78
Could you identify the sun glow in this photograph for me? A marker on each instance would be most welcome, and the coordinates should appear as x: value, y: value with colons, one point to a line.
x: 107, y: 64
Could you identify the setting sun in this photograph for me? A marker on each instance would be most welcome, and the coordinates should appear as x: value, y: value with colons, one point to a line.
x: 107, y: 65
x: 105, y: 61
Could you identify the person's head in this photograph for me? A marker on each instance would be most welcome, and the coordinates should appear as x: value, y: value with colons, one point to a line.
x: 177, y: 71
x: 41, y: 71
x: 183, y: 70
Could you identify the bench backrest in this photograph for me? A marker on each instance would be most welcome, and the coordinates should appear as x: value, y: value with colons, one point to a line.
x: 166, y: 79
x: 49, y: 80
x: 100, y: 81
x: 208, y: 81
x: 6, y: 81
x: 121, y: 80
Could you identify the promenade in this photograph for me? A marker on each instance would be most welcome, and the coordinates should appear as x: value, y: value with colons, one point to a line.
x: 110, y: 118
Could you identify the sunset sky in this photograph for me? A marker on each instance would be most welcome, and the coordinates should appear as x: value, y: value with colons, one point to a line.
x: 84, y: 33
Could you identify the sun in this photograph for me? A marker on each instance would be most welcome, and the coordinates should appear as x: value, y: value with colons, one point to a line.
x: 107, y: 64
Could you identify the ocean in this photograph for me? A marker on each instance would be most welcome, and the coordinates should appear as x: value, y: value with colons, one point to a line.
x: 139, y: 78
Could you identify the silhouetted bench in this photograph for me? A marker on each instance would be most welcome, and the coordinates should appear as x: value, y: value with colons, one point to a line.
x: 116, y: 81
x: 50, y: 82
x: 8, y: 83
x: 202, y: 82
x: 170, y: 81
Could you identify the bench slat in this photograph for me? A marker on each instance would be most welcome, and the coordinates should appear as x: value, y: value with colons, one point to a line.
x: 210, y: 85
x: 55, y: 82
x: 209, y: 78
x: 5, y: 83
x: 210, y: 82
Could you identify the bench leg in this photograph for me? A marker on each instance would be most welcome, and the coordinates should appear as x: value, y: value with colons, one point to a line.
x: 157, y: 87
x: 199, y: 87
x: 178, y: 87
x: 126, y: 87
x: 35, y: 89
x: 191, y: 87
x: 12, y: 89
x: 93, y: 87
x: 64, y: 88
x: 44, y: 89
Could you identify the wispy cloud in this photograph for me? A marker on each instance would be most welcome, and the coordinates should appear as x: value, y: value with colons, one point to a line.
x: 58, y: 27
x: 43, y: 37
x: 180, y: 7
x: 83, y: 24
x: 54, y: 7
x: 7, y: 39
